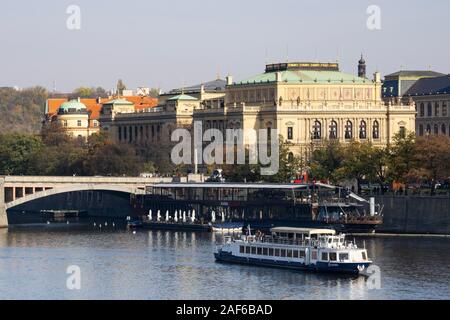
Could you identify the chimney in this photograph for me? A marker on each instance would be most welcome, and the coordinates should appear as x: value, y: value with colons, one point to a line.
x: 278, y: 77
x: 377, y: 77
x: 229, y: 80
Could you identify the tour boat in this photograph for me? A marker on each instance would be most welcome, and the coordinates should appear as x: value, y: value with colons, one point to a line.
x: 296, y: 248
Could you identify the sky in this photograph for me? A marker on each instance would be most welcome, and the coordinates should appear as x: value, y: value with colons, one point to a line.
x: 174, y: 43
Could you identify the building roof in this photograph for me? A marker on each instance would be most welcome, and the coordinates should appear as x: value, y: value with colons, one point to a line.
x: 217, y: 85
x: 305, y: 76
x: 426, y: 86
x: 72, y: 105
x: 95, y: 105
x: 183, y: 97
x: 414, y: 73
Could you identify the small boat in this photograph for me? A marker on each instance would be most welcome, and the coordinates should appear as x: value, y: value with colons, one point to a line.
x: 228, y: 227
x: 133, y: 224
x: 320, y: 250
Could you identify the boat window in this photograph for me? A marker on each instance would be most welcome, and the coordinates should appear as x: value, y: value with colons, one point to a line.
x: 265, y: 251
x: 277, y: 252
x: 343, y: 256
x: 336, y: 240
x: 289, y: 253
x: 364, y: 255
x: 253, y: 250
x: 283, y: 253
x: 270, y: 251
x: 330, y: 240
x: 314, y: 255
x: 260, y: 251
x: 333, y: 256
x: 247, y: 250
x: 302, y: 254
x: 241, y: 249
x: 295, y: 254
x: 324, y: 256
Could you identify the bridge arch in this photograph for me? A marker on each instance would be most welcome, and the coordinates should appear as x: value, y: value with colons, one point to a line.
x: 74, y: 188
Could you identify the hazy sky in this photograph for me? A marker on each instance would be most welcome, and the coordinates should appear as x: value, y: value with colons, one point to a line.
x: 172, y: 43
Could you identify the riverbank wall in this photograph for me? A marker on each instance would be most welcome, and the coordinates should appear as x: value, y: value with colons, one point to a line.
x: 415, y: 214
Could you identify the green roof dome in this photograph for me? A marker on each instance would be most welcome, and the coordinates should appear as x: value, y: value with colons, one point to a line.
x: 72, y: 106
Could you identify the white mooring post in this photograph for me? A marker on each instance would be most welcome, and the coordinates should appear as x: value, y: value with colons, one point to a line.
x: 372, y: 206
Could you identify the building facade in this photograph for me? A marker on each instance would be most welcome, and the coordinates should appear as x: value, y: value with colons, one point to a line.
x: 308, y: 103
x: 432, y: 99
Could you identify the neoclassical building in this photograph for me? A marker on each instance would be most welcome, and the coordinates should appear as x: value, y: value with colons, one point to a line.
x: 73, y: 116
x: 307, y: 103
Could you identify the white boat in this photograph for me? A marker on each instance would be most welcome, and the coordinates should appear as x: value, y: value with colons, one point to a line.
x: 296, y: 248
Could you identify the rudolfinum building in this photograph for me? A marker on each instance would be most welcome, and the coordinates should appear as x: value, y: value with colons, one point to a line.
x: 308, y: 103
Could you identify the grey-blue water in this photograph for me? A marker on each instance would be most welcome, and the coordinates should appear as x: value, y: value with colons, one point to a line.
x: 117, y: 264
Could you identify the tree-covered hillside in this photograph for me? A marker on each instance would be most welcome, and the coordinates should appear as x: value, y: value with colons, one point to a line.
x: 22, y: 110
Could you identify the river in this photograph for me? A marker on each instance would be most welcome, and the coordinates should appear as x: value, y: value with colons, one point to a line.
x: 118, y: 264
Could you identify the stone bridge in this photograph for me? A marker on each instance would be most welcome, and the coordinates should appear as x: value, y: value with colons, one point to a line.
x: 17, y: 190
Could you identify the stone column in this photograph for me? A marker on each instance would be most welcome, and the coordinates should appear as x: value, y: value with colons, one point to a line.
x: 3, y: 217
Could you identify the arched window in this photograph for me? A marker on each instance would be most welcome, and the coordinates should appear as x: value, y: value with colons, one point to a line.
x: 420, y: 129
x: 422, y: 110
x: 333, y: 130
x: 376, y: 130
x: 363, y: 130
x: 443, y: 129
x: 436, y: 129
x: 317, y: 130
x: 429, y: 109
x: 436, y: 109
x: 349, y: 130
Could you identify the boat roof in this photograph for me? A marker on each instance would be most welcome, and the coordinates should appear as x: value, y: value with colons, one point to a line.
x: 309, y: 231
x: 231, y: 185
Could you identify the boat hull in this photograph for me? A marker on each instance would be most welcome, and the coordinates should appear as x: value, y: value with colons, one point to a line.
x: 345, y: 268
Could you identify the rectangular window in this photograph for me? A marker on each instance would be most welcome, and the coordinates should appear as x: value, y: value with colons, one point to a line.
x: 364, y: 255
x: 324, y: 256
x: 333, y: 256
x: 253, y: 250
x: 289, y: 253
x: 277, y: 252
x: 295, y: 254
x: 402, y: 132
x: 271, y: 252
x: 265, y: 251
x: 247, y: 250
x: 313, y: 255
x: 241, y: 249
x: 79, y: 123
x: 283, y: 253
x: 343, y: 256
x: 290, y: 133
x: 260, y: 251
x: 302, y: 254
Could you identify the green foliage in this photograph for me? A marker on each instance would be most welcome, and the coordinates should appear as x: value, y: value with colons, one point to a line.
x: 22, y: 110
x: 326, y: 161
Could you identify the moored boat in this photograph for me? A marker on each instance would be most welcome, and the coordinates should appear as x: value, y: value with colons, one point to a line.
x: 319, y: 250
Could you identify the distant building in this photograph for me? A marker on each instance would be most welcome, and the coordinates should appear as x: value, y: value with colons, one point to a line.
x: 81, y: 117
x: 432, y: 100
x: 307, y: 102
x: 174, y: 110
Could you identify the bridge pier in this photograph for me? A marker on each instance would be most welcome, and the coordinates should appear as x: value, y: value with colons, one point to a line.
x: 3, y: 216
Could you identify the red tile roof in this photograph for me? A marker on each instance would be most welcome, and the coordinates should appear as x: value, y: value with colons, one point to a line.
x: 94, y: 107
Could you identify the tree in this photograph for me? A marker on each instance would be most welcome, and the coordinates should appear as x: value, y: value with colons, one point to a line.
x: 120, y: 87
x: 326, y: 161
x: 16, y: 152
x: 401, y: 161
x: 432, y: 156
x: 357, y: 162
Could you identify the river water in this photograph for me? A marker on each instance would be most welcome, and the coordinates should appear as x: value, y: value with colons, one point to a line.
x: 118, y: 264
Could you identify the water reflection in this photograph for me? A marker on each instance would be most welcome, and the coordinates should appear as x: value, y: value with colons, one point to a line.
x: 117, y: 264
